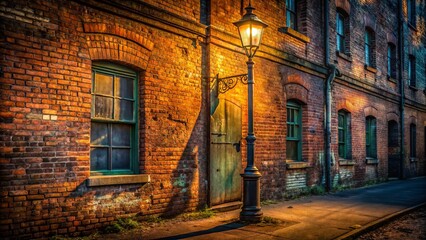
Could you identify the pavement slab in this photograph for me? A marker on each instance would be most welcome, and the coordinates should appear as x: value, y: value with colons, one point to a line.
x: 327, y: 216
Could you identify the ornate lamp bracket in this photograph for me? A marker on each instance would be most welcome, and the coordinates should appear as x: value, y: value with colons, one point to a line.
x: 227, y: 83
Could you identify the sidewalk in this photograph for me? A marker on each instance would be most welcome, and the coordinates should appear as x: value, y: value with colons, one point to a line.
x: 315, y: 217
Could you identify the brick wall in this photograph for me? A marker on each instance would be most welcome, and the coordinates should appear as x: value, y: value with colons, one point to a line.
x: 47, y: 51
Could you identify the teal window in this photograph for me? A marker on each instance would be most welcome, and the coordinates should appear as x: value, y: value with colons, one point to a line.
x: 113, y: 133
x: 344, y: 134
x: 413, y: 140
x: 294, y: 131
x: 370, y: 137
x: 411, y: 12
x: 369, y: 47
x: 412, y: 71
x: 340, y: 32
x: 291, y: 14
x: 391, y: 57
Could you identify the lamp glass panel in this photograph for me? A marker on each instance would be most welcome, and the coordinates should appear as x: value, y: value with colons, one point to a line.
x: 251, y: 34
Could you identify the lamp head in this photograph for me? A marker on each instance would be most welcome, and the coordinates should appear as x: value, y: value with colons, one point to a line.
x: 250, y: 29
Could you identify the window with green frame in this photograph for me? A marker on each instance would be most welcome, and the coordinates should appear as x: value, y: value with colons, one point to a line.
x: 294, y: 131
x: 344, y: 134
x: 291, y: 14
x: 369, y: 47
x: 370, y: 137
x: 113, y: 132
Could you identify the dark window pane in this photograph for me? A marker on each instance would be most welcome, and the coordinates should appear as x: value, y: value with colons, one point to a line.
x: 296, y: 116
x: 341, y: 135
x: 99, y: 134
x: 342, y: 150
x: 123, y: 110
x: 121, y: 135
x: 120, y: 159
x: 103, y: 107
x: 292, y: 150
x: 98, y: 159
x: 103, y: 84
x: 291, y: 18
x: 124, y: 87
x: 290, y: 5
x: 367, y: 55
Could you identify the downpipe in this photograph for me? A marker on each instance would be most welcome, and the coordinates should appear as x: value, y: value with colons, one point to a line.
x: 332, y: 73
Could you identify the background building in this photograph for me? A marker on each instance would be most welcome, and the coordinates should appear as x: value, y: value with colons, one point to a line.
x: 110, y: 109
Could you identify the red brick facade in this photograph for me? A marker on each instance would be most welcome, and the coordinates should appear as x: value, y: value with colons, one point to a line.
x: 47, y: 51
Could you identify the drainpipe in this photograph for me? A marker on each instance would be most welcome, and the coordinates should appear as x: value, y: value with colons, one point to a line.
x: 332, y: 71
x: 328, y: 99
x: 328, y: 82
x: 326, y: 30
x: 401, y: 86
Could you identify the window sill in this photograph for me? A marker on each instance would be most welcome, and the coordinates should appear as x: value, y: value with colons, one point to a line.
x: 345, y: 56
x: 295, y: 34
x: 346, y: 162
x: 413, y: 159
x: 371, y: 160
x: 95, y: 181
x: 296, y: 165
x: 370, y: 69
x: 412, y: 26
x: 413, y: 88
x: 391, y: 79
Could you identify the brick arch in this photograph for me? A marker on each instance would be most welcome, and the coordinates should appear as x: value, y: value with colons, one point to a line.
x: 106, y: 42
x: 370, y: 111
x: 369, y: 22
x: 116, y: 30
x: 392, y: 116
x: 345, y: 105
x: 412, y: 120
x: 297, y: 79
x: 296, y: 91
x: 391, y: 38
x: 344, y: 5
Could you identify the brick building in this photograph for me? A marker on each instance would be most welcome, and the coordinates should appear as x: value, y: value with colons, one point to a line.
x: 114, y: 108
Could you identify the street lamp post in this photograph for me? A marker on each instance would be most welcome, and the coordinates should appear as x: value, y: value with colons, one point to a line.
x: 250, y: 28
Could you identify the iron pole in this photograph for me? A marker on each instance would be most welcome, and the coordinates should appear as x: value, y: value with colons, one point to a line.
x: 251, y: 210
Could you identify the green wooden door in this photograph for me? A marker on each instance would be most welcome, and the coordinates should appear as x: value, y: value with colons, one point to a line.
x: 225, y: 153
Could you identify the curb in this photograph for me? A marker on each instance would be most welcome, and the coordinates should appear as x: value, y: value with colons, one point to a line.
x: 377, y: 223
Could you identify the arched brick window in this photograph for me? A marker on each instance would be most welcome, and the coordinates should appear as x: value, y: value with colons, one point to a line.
x: 342, y: 32
x: 371, y: 137
x: 294, y: 131
x: 370, y: 47
x: 391, y: 60
x: 344, y: 134
x: 413, y: 140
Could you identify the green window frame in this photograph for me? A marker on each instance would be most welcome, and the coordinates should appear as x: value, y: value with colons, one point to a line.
x: 368, y: 47
x: 344, y: 135
x: 411, y: 12
x: 411, y: 70
x: 391, y: 60
x: 371, y: 137
x: 340, y: 32
x: 294, y: 131
x: 291, y: 14
x: 413, y: 140
x: 114, y: 118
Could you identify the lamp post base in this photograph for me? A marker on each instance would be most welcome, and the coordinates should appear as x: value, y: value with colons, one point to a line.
x: 251, y: 210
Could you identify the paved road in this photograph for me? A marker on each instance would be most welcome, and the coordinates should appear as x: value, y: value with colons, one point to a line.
x: 315, y: 217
